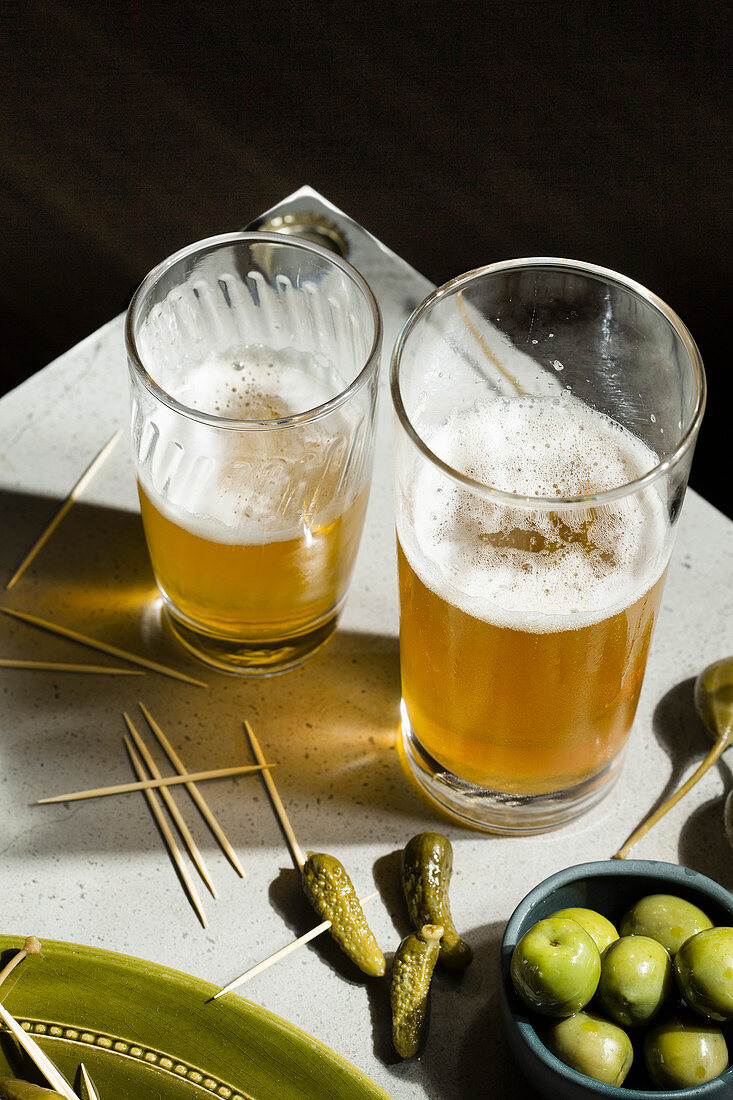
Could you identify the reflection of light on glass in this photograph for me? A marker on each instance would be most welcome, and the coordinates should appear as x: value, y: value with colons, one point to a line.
x: 151, y: 619
x: 365, y: 762
x: 400, y: 745
x: 381, y: 744
x: 104, y: 597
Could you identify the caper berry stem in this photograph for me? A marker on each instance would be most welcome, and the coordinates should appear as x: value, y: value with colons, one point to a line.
x: 717, y: 750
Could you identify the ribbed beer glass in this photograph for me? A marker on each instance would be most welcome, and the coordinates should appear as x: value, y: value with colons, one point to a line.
x: 546, y: 413
x: 253, y: 362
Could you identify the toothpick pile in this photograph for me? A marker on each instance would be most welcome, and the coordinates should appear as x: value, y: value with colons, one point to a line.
x: 67, y: 632
x: 102, y: 647
x: 155, y: 788
x: 149, y: 780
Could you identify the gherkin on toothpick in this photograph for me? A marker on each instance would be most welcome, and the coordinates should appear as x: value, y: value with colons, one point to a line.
x: 327, y: 886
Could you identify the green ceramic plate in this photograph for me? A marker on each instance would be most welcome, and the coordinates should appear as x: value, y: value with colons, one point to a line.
x: 147, y: 1032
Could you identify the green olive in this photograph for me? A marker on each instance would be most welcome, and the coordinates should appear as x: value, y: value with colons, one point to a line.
x: 636, y: 980
x: 704, y: 972
x: 666, y: 918
x: 596, y: 925
x: 684, y: 1051
x: 13, y: 1089
x: 555, y: 967
x: 591, y: 1045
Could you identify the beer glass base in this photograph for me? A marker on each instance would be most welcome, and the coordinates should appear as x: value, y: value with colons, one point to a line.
x: 251, y: 659
x: 496, y: 811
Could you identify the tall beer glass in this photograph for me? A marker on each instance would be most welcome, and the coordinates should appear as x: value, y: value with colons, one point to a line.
x: 546, y: 414
x: 253, y: 359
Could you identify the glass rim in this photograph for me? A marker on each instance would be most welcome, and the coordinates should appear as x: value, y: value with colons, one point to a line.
x: 516, y: 499
x: 316, y: 412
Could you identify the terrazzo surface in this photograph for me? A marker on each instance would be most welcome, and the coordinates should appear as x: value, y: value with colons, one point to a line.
x: 96, y: 873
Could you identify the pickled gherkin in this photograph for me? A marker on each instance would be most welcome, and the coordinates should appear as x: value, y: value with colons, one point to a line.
x: 412, y: 972
x: 427, y: 865
x: 331, y: 893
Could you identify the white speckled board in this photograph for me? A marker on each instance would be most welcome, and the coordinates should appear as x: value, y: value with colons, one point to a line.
x: 96, y: 872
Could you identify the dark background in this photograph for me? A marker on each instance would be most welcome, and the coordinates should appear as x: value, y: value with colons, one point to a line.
x: 458, y: 133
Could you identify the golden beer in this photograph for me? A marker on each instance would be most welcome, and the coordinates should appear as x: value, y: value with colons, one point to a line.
x: 253, y: 540
x: 518, y: 711
x: 524, y: 632
x: 277, y: 589
x: 545, y: 416
x: 254, y: 364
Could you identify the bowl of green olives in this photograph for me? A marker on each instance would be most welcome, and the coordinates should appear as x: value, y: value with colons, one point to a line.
x: 616, y: 980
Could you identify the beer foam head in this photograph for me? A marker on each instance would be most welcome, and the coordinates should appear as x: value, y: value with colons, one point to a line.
x: 257, y: 384
x: 543, y: 447
x: 254, y: 485
x: 526, y: 567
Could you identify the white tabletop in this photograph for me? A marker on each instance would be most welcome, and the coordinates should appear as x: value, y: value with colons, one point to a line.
x: 96, y: 872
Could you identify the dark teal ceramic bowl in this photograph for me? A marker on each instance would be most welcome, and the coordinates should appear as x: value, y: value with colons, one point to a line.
x: 610, y: 887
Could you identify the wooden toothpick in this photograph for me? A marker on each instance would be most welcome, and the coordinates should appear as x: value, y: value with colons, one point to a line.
x: 282, y: 953
x: 165, y: 794
x: 44, y: 1063
x: 296, y: 851
x: 56, y: 666
x: 153, y: 784
x: 88, y: 1091
x: 157, y: 812
x: 103, y: 647
x: 193, y: 790
x: 75, y: 493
